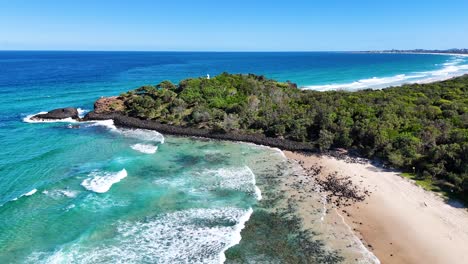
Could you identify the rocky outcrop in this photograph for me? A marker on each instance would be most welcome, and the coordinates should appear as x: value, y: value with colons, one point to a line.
x: 60, y: 113
x: 121, y: 120
x: 109, y: 105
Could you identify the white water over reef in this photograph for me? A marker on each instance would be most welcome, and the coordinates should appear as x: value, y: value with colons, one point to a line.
x: 145, y: 148
x: 102, y: 181
x: 239, y: 179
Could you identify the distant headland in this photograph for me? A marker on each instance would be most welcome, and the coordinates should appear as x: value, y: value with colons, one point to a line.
x: 422, y: 51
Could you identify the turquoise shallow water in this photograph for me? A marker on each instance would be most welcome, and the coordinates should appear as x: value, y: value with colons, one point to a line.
x: 183, y: 203
x: 91, y: 193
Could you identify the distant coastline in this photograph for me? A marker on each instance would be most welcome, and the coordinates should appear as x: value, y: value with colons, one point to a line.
x: 422, y: 51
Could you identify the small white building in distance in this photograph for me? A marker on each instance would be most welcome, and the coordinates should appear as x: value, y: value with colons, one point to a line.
x: 208, y: 76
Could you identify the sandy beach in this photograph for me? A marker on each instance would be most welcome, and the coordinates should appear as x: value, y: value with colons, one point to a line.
x: 399, y: 221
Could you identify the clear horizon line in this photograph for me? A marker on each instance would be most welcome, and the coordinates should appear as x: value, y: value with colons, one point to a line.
x: 98, y: 50
x: 220, y: 51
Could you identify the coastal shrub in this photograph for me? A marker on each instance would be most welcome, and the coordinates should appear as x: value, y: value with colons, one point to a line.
x: 166, y: 85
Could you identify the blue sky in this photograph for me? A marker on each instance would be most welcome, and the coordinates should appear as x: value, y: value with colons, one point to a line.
x: 236, y: 25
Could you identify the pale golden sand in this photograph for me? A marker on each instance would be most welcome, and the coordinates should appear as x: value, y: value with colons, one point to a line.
x: 400, y: 222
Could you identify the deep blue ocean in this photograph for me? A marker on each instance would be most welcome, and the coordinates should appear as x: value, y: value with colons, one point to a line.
x: 92, y: 193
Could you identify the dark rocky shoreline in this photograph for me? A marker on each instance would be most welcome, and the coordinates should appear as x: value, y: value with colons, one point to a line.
x: 121, y: 120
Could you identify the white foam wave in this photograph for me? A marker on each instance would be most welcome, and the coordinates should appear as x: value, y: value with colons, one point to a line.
x: 455, y: 61
x: 141, y: 134
x: 145, y: 148
x: 82, y: 112
x: 33, y: 191
x: 98, y: 203
x: 280, y: 152
x: 188, y: 236
x: 236, y: 235
x: 101, y: 182
x: 258, y: 192
x: 29, y: 119
x: 109, y: 124
x: 240, y: 179
x: 373, y: 82
x: 456, y: 66
x: 449, y: 70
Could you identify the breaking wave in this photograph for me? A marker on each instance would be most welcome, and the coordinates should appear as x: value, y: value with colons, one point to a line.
x: 239, y: 179
x: 101, y: 182
x: 145, y: 148
x: 33, y: 191
x: 141, y: 134
x: 82, y: 112
x: 187, y: 236
x: 456, y: 66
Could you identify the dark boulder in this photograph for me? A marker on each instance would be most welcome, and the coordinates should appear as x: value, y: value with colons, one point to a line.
x: 60, y: 113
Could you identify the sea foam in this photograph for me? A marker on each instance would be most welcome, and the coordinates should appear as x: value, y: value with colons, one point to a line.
x: 30, y: 192
x: 238, y: 178
x: 61, y: 193
x: 188, y: 236
x: 141, y: 134
x: 109, y: 124
x: 101, y: 182
x: 145, y: 148
x: 82, y: 112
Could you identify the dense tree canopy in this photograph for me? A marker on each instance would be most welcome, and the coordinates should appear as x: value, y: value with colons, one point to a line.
x: 421, y: 128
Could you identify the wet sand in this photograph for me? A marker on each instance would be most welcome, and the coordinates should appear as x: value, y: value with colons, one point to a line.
x: 399, y: 221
